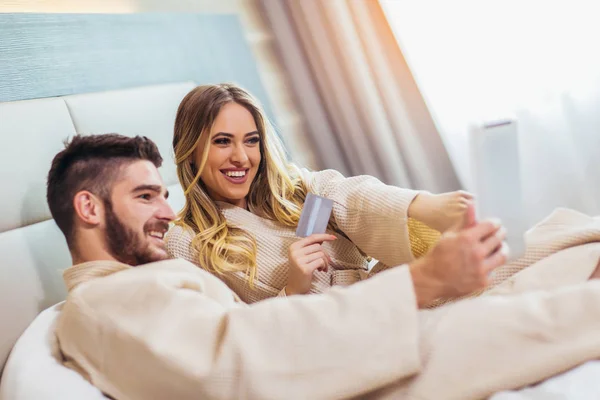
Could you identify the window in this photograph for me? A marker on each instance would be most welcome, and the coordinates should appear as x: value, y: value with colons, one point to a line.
x: 530, y: 59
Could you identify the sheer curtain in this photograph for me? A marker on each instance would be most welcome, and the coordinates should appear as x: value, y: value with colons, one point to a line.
x: 363, y: 109
x: 536, y: 61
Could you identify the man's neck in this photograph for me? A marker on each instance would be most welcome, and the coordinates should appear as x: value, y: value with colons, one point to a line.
x: 87, y: 249
x: 80, y: 259
x: 85, y: 271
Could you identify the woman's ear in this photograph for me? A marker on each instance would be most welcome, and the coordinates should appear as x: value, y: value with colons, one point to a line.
x: 192, y: 164
x: 88, y: 208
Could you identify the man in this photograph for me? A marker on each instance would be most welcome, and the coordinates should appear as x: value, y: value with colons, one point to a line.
x: 139, y: 326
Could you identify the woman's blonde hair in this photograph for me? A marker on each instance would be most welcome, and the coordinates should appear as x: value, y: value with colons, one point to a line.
x: 277, y: 192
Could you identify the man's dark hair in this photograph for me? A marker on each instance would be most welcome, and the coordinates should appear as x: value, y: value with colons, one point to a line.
x: 92, y: 163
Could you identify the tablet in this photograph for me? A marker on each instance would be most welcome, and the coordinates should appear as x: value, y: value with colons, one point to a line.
x: 495, y: 167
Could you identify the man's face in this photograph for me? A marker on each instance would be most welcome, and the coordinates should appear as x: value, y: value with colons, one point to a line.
x: 138, y: 215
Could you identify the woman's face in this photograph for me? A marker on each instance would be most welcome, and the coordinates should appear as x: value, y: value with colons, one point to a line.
x: 233, y: 155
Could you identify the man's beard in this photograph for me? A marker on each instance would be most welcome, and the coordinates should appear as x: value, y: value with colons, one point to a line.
x: 125, y: 244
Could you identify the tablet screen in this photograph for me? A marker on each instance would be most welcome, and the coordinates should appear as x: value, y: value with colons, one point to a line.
x: 497, y: 179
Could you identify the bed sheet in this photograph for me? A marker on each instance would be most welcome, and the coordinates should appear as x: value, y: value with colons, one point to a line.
x: 580, y: 383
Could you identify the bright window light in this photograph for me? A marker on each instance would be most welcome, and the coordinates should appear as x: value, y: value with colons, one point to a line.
x: 481, y: 59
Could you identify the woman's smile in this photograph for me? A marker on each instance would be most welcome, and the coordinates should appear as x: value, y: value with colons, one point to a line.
x: 236, y: 175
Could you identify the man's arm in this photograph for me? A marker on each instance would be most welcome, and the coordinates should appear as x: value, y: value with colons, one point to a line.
x: 461, y: 262
x: 139, y: 336
x: 175, y: 332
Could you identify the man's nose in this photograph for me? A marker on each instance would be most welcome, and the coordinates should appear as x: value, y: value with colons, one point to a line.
x: 165, y: 212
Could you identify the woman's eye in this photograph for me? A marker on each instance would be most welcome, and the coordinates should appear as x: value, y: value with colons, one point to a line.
x: 221, y: 141
x: 254, y: 140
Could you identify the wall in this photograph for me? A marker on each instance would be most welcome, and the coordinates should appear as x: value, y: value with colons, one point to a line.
x: 290, y: 122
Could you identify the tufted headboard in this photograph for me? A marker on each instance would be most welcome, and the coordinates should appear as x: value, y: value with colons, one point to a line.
x: 33, y: 250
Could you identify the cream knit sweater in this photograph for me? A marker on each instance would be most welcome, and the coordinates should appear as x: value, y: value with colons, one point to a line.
x: 372, y: 215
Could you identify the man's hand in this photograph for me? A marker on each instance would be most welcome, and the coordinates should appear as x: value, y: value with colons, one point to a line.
x: 461, y: 261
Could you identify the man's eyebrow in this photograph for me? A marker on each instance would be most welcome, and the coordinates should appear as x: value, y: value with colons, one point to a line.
x: 153, y: 188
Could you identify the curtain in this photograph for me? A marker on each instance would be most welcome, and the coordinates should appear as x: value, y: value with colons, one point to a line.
x: 363, y: 109
x: 534, y: 61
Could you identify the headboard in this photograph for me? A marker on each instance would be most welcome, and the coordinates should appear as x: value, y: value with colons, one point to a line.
x: 136, y: 68
x: 33, y: 249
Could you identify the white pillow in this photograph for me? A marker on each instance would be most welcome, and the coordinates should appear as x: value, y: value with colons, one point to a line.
x: 34, y: 370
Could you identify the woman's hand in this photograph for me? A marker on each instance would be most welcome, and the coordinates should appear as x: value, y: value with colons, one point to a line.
x: 306, y: 256
x: 440, y: 211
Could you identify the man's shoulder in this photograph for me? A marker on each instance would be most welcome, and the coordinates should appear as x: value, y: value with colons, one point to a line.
x: 162, y: 270
x: 133, y: 284
x: 172, y: 265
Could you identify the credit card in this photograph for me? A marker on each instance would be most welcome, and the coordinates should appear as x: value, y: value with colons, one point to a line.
x: 315, y: 215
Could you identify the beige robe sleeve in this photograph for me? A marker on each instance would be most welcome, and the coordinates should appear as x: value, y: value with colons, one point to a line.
x: 477, y: 347
x: 373, y: 215
x: 175, y: 332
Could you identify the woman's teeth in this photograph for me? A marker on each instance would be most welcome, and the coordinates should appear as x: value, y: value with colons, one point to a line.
x: 235, y: 173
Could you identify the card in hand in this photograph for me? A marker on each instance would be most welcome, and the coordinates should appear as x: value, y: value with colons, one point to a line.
x: 315, y: 215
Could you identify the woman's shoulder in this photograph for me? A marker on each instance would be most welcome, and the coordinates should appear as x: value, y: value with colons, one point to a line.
x: 178, y: 241
x: 180, y: 232
x: 322, y: 182
x: 312, y: 178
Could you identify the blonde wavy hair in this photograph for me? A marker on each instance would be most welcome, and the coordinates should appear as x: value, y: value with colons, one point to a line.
x: 277, y: 192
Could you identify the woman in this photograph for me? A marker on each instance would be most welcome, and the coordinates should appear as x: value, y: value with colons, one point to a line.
x: 243, y: 203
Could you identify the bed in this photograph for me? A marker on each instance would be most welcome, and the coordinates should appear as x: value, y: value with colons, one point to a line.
x: 35, y: 253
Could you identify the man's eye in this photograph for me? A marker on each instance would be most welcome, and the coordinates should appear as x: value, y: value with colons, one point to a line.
x: 146, y: 196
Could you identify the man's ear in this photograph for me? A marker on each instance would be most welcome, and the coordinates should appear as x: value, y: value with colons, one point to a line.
x: 88, y: 207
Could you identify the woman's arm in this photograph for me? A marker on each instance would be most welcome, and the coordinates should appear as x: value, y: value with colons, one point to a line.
x: 439, y: 211
x: 385, y: 221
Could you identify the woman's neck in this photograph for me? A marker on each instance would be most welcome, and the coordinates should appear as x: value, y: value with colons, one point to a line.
x: 241, y: 203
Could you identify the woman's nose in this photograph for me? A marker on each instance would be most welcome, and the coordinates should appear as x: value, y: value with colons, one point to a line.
x: 239, y: 154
